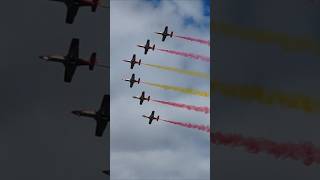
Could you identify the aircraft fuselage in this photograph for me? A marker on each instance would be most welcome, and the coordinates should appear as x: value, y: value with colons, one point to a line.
x: 92, y: 114
x: 67, y: 61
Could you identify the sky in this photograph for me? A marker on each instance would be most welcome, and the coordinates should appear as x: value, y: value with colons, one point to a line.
x: 40, y: 138
x: 246, y: 62
x: 160, y: 150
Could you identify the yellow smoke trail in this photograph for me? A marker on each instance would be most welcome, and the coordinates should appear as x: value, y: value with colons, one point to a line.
x: 180, y: 71
x: 253, y: 93
x: 179, y: 89
x: 287, y: 42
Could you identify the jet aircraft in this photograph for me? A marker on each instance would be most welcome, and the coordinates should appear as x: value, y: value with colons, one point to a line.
x: 142, y: 97
x: 74, y: 5
x: 151, y: 117
x: 165, y: 33
x: 132, y: 80
x: 147, y: 46
x: 133, y: 61
x: 102, y: 116
x: 71, y: 61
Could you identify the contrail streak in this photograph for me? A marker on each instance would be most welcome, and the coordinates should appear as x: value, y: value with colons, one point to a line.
x: 308, y: 153
x: 194, y: 39
x: 179, y: 89
x: 189, y: 125
x: 254, y: 93
x: 305, y: 152
x: 288, y: 43
x: 203, y: 109
x: 187, y: 55
x: 180, y: 71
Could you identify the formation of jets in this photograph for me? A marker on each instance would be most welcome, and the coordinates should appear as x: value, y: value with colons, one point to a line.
x: 133, y: 61
x: 72, y: 60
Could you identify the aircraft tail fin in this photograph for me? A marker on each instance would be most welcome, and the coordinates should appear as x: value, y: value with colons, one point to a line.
x: 93, y: 60
x: 139, y: 81
x: 94, y: 5
x: 158, y: 118
x: 148, y: 98
x: 171, y: 34
x: 139, y: 62
x: 153, y: 47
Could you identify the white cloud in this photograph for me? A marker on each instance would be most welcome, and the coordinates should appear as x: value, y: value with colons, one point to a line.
x: 159, y: 150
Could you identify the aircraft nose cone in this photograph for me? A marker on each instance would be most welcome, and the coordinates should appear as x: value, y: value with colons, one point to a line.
x: 76, y: 113
x: 43, y: 57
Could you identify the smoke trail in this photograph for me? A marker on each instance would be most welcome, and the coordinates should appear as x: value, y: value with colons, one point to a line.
x: 306, y: 152
x: 180, y: 71
x: 252, y: 93
x: 187, y: 55
x: 179, y: 89
x: 190, y: 125
x: 203, y: 109
x: 195, y: 40
x: 283, y: 40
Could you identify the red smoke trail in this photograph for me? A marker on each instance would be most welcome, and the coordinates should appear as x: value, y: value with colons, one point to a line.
x: 189, y: 107
x: 306, y: 152
x: 195, y: 40
x: 189, y: 125
x: 187, y: 55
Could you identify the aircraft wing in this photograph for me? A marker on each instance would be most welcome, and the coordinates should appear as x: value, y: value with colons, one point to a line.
x: 165, y: 30
x: 152, y: 114
x: 164, y: 37
x: 132, y: 64
x: 69, y: 72
x: 101, y: 126
x: 141, y: 101
x: 74, y: 48
x: 150, y: 121
x: 71, y: 14
x: 145, y: 50
x: 105, y: 105
x: 131, y: 84
x: 106, y: 172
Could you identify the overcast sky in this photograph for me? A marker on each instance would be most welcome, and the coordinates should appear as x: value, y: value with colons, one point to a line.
x: 40, y: 138
x: 267, y: 65
x: 159, y: 150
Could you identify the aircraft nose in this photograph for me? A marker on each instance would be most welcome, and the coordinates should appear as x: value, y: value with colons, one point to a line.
x: 44, y: 57
x: 76, y: 113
